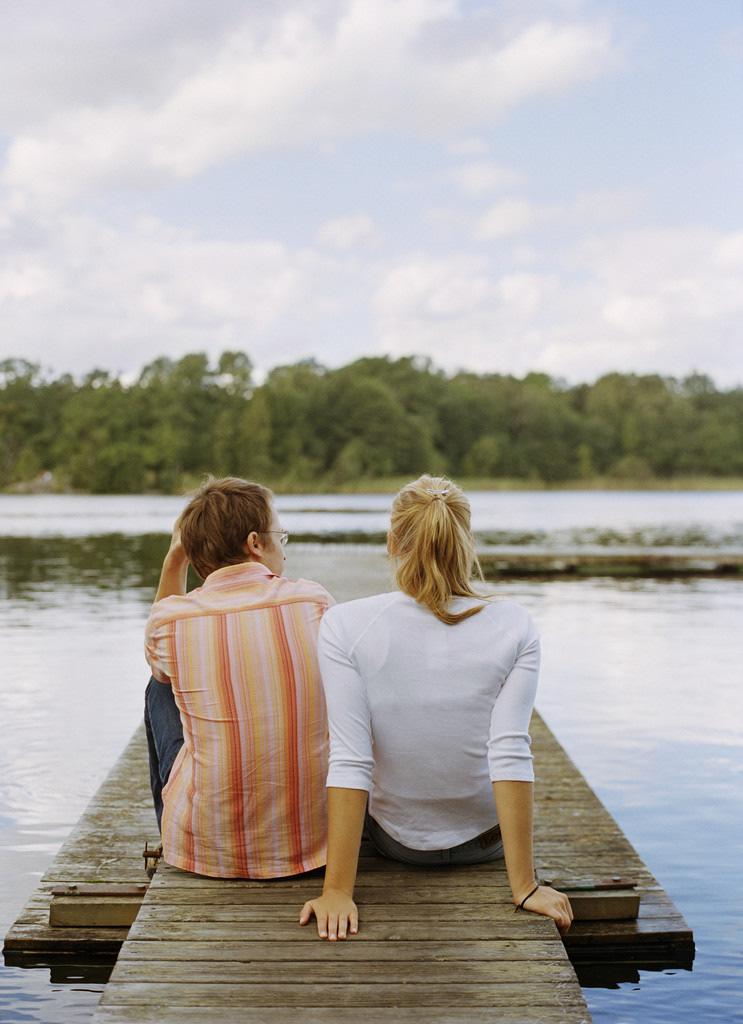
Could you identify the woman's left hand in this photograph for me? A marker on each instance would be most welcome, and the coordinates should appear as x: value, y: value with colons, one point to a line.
x: 551, y: 903
x: 336, y: 914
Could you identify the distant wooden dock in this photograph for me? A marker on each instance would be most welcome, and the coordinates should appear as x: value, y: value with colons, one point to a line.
x: 435, y: 945
x: 610, y: 561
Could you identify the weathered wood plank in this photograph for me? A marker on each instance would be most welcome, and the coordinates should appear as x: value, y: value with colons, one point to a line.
x: 348, y: 996
x: 385, y: 930
x: 343, y: 972
x: 162, y: 1013
x: 161, y: 915
x: 188, y: 888
x: 191, y: 951
x: 385, y: 896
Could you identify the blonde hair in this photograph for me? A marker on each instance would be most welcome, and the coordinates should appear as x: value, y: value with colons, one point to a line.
x: 433, y: 547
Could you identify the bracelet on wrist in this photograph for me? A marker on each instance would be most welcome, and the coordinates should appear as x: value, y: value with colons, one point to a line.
x: 527, y: 897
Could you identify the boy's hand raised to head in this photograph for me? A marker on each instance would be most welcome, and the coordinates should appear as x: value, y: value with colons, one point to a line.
x: 175, y: 567
x: 176, y: 545
x: 336, y: 913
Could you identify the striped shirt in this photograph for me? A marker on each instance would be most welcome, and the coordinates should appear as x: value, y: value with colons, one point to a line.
x: 246, y: 794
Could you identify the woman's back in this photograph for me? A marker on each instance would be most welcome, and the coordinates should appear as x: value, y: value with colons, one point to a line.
x: 425, y: 714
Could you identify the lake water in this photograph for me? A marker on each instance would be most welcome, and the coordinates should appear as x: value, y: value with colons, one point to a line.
x: 641, y: 683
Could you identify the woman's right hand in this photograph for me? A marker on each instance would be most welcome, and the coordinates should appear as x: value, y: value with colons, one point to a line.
x: 550, y: 903
x: 335, y: 912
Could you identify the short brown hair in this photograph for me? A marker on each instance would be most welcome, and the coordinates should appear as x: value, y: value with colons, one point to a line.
x: 217, y: 520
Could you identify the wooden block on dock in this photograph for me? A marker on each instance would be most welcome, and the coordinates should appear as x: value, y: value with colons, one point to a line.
x: 610, y: 899
x: 95, y: 906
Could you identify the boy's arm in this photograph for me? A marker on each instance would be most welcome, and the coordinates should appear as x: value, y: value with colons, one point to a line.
x: 157, y: 633
x: 175, y: 569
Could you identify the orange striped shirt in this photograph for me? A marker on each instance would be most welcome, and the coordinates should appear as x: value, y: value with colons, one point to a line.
x: 246, y: 794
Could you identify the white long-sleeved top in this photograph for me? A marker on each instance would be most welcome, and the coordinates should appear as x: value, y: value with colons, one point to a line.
x: 424, y: 716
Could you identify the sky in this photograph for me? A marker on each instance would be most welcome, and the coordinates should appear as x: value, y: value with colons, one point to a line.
x: 500, y: 185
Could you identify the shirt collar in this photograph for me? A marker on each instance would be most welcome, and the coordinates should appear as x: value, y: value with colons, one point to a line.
x: 231, y: 575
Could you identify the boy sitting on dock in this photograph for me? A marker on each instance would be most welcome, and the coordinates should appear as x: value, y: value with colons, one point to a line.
x: 235, y: 712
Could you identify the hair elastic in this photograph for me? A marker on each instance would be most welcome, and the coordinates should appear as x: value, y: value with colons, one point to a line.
x: 521, y: 905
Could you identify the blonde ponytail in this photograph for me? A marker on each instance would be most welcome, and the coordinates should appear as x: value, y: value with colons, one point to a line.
x: 433, y: 546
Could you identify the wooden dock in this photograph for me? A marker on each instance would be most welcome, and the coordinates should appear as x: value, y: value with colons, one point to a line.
x: 576, y: 836
x: 435, y: 945
x: 657, y: 562
x: 105, y: 846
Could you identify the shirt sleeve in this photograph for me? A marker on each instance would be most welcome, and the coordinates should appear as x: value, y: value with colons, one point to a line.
x: 509, y: 743
x: 349, y: 719
x: 158, y: 648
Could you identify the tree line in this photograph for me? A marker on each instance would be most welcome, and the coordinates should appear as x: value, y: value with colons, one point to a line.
x: 308, y: 426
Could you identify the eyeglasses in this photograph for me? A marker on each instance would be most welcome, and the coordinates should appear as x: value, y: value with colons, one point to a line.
x: 283, y: 536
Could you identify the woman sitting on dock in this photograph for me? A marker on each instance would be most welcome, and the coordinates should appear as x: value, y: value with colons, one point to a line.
x: 430, y: 690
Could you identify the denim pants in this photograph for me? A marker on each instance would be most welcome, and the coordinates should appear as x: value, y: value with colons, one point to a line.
x: 480, y: 850
x: 162, y: 722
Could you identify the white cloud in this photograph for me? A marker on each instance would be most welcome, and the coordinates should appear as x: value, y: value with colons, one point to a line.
x: 118, y: 297
x: 423, y: 288
x: 102, y: 101
x: 635, y: 314
x: 347, y: 232
x: 648, y: 300
x: 507, y: 218
x: 516, y: 215
x: 482, y: 176
x: 468, y: 147
x: 302, y: 75
x: 628, y: 299
x: 62, y: 57
x: 460, y: 312
x: 604, y: 205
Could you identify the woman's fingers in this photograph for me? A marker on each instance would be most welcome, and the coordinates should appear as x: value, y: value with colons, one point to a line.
x: 312, y: 907
x: 552, y: 904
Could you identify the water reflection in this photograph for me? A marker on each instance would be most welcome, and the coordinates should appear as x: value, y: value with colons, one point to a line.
x: 35, y: 568
x: 641, y: 682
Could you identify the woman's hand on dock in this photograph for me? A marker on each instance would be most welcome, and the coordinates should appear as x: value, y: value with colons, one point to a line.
x: 550, y: 903
x: 336, y: 914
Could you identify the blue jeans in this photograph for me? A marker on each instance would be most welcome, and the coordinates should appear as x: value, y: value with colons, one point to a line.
x: 162, y: 722
x: 480, y: 850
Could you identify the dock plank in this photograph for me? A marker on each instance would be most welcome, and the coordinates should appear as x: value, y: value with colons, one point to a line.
x: 105, y: 846
x: 253, y: 952
x: 163, y: 1013
x: 456, y: 998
